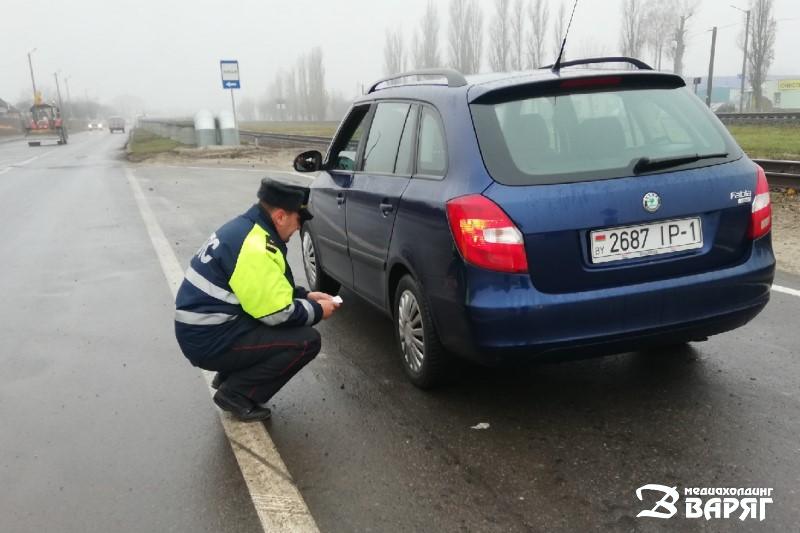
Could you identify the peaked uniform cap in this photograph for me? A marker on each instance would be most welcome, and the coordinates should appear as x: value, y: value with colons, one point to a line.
x: 285, y: 196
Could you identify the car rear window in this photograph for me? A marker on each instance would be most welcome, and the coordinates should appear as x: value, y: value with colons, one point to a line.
x: 584, y: 136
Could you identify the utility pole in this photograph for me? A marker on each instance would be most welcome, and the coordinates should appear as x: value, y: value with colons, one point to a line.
x: 33, y: 82
x: 744, y: 57
x: 711, y: 66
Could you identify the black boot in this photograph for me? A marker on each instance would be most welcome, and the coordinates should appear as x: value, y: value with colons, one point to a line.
x: 240, y: 407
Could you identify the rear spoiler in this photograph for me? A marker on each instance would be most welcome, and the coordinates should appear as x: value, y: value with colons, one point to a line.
x: 592, y: 81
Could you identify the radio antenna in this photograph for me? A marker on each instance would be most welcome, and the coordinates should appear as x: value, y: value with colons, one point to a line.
x: 557, y: 64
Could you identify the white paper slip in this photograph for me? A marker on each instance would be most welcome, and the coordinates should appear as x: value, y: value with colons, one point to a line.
x: 337, y: 299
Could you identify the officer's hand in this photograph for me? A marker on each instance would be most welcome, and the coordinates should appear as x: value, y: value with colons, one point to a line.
x: 328, y: 308
x: 319, y: 296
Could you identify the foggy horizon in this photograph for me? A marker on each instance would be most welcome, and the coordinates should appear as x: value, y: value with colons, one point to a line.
x: 167, y: 56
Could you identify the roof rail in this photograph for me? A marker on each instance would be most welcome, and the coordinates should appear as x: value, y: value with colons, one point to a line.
x: 454, y: 77
x: 618, y: 59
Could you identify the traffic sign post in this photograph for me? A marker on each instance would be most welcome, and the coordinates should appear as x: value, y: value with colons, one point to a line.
x: 230, y: 80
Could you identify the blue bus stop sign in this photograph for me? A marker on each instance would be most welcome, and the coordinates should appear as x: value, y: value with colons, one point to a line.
x: 230, y: 74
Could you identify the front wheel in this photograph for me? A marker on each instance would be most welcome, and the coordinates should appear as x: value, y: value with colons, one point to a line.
x: 424, y: 358
x: 318, y: 280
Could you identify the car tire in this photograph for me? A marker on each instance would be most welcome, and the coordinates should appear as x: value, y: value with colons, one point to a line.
x: 424, y: 359
x: 318, y: 280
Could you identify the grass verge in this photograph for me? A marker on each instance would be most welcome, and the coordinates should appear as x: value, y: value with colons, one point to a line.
x: 768, y: 142
x: 314, y: 129
x: 143, y: 145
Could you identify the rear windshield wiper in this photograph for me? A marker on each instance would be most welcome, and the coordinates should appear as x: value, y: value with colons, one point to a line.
x: 646, y: 164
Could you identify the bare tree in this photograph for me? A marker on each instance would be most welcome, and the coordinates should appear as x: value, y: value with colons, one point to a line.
x: 317, y: 94
x: 633, y: 35
x: 500, y: 36
x: 292, y: 97
x: 538, y: 16
x: 683, y: 11
x: 762, y: 46
x: 465, y: 36
x: 657, y: 25
x: 517, y: 37
x: 301, y: 77
x: 560, y: 29
x: 394, y: 54
x: 426, y: 39
x: 474, y: 29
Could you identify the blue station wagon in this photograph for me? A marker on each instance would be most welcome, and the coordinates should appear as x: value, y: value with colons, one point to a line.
x: 539, y: 215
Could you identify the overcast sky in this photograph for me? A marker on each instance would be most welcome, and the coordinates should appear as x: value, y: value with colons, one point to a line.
x: 167, y: 52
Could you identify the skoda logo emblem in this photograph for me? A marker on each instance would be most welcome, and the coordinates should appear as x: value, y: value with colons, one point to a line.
x: 651, y: 202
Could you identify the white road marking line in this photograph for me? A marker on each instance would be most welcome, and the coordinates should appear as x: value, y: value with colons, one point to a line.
x: 277, y: 501
x: 786, y: 290
x: 12, y: 166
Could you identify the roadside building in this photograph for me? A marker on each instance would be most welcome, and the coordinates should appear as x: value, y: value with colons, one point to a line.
x: 784, y: 94
x: 10, y: 118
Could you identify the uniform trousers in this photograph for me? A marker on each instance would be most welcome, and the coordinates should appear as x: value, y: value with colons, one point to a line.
x: 262, y: 361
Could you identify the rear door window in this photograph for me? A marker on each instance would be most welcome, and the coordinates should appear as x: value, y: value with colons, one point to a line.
x: 380, y: 151
x: 594, y: 135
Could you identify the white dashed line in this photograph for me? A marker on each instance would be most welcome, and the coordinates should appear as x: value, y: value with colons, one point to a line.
x: 786, y: 290
x: 277, y: 501
x: 12, y: 166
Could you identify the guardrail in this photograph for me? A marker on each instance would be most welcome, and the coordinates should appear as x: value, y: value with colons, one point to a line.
x: 781, y: 173
x: 772, y: 118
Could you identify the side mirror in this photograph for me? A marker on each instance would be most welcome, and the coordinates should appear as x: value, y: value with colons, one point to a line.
x: 310, y: 161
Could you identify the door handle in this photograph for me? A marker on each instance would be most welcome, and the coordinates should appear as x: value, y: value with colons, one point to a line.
x: 340, y: 199
x: 386, y: 208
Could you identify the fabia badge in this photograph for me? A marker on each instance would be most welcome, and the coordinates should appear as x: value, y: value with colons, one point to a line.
x: 651, y: 202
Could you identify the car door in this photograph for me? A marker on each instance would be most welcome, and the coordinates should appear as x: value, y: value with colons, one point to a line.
x: 329, y: 197
x: 375, y: 194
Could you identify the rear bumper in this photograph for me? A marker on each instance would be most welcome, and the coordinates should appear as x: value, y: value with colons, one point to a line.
x: 507, y: 317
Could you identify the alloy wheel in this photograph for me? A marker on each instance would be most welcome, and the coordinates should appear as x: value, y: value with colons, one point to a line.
x: 410, y: 327
x: 309, y: 259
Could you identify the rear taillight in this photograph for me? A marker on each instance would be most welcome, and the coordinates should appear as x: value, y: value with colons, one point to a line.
x: 485, y: 236
x: 761, y: 217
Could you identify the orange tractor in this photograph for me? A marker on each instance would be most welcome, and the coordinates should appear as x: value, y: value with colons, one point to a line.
x: 45, y: 124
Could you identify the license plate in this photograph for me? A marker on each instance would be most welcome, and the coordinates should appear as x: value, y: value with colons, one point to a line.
x: 629, y: 242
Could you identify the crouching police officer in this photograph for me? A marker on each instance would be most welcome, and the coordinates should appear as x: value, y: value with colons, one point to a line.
x: 238, y: 311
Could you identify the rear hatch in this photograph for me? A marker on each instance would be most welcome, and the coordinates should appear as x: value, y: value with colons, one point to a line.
x: 615, y: 179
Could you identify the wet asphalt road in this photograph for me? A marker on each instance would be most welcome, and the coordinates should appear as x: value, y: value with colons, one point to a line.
x: 104, y: 427
x: 567, y: 447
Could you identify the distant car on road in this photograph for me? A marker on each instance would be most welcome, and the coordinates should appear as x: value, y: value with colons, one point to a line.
x: 539, y: 215
x: 94, y: 125
x: 116, y: 124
